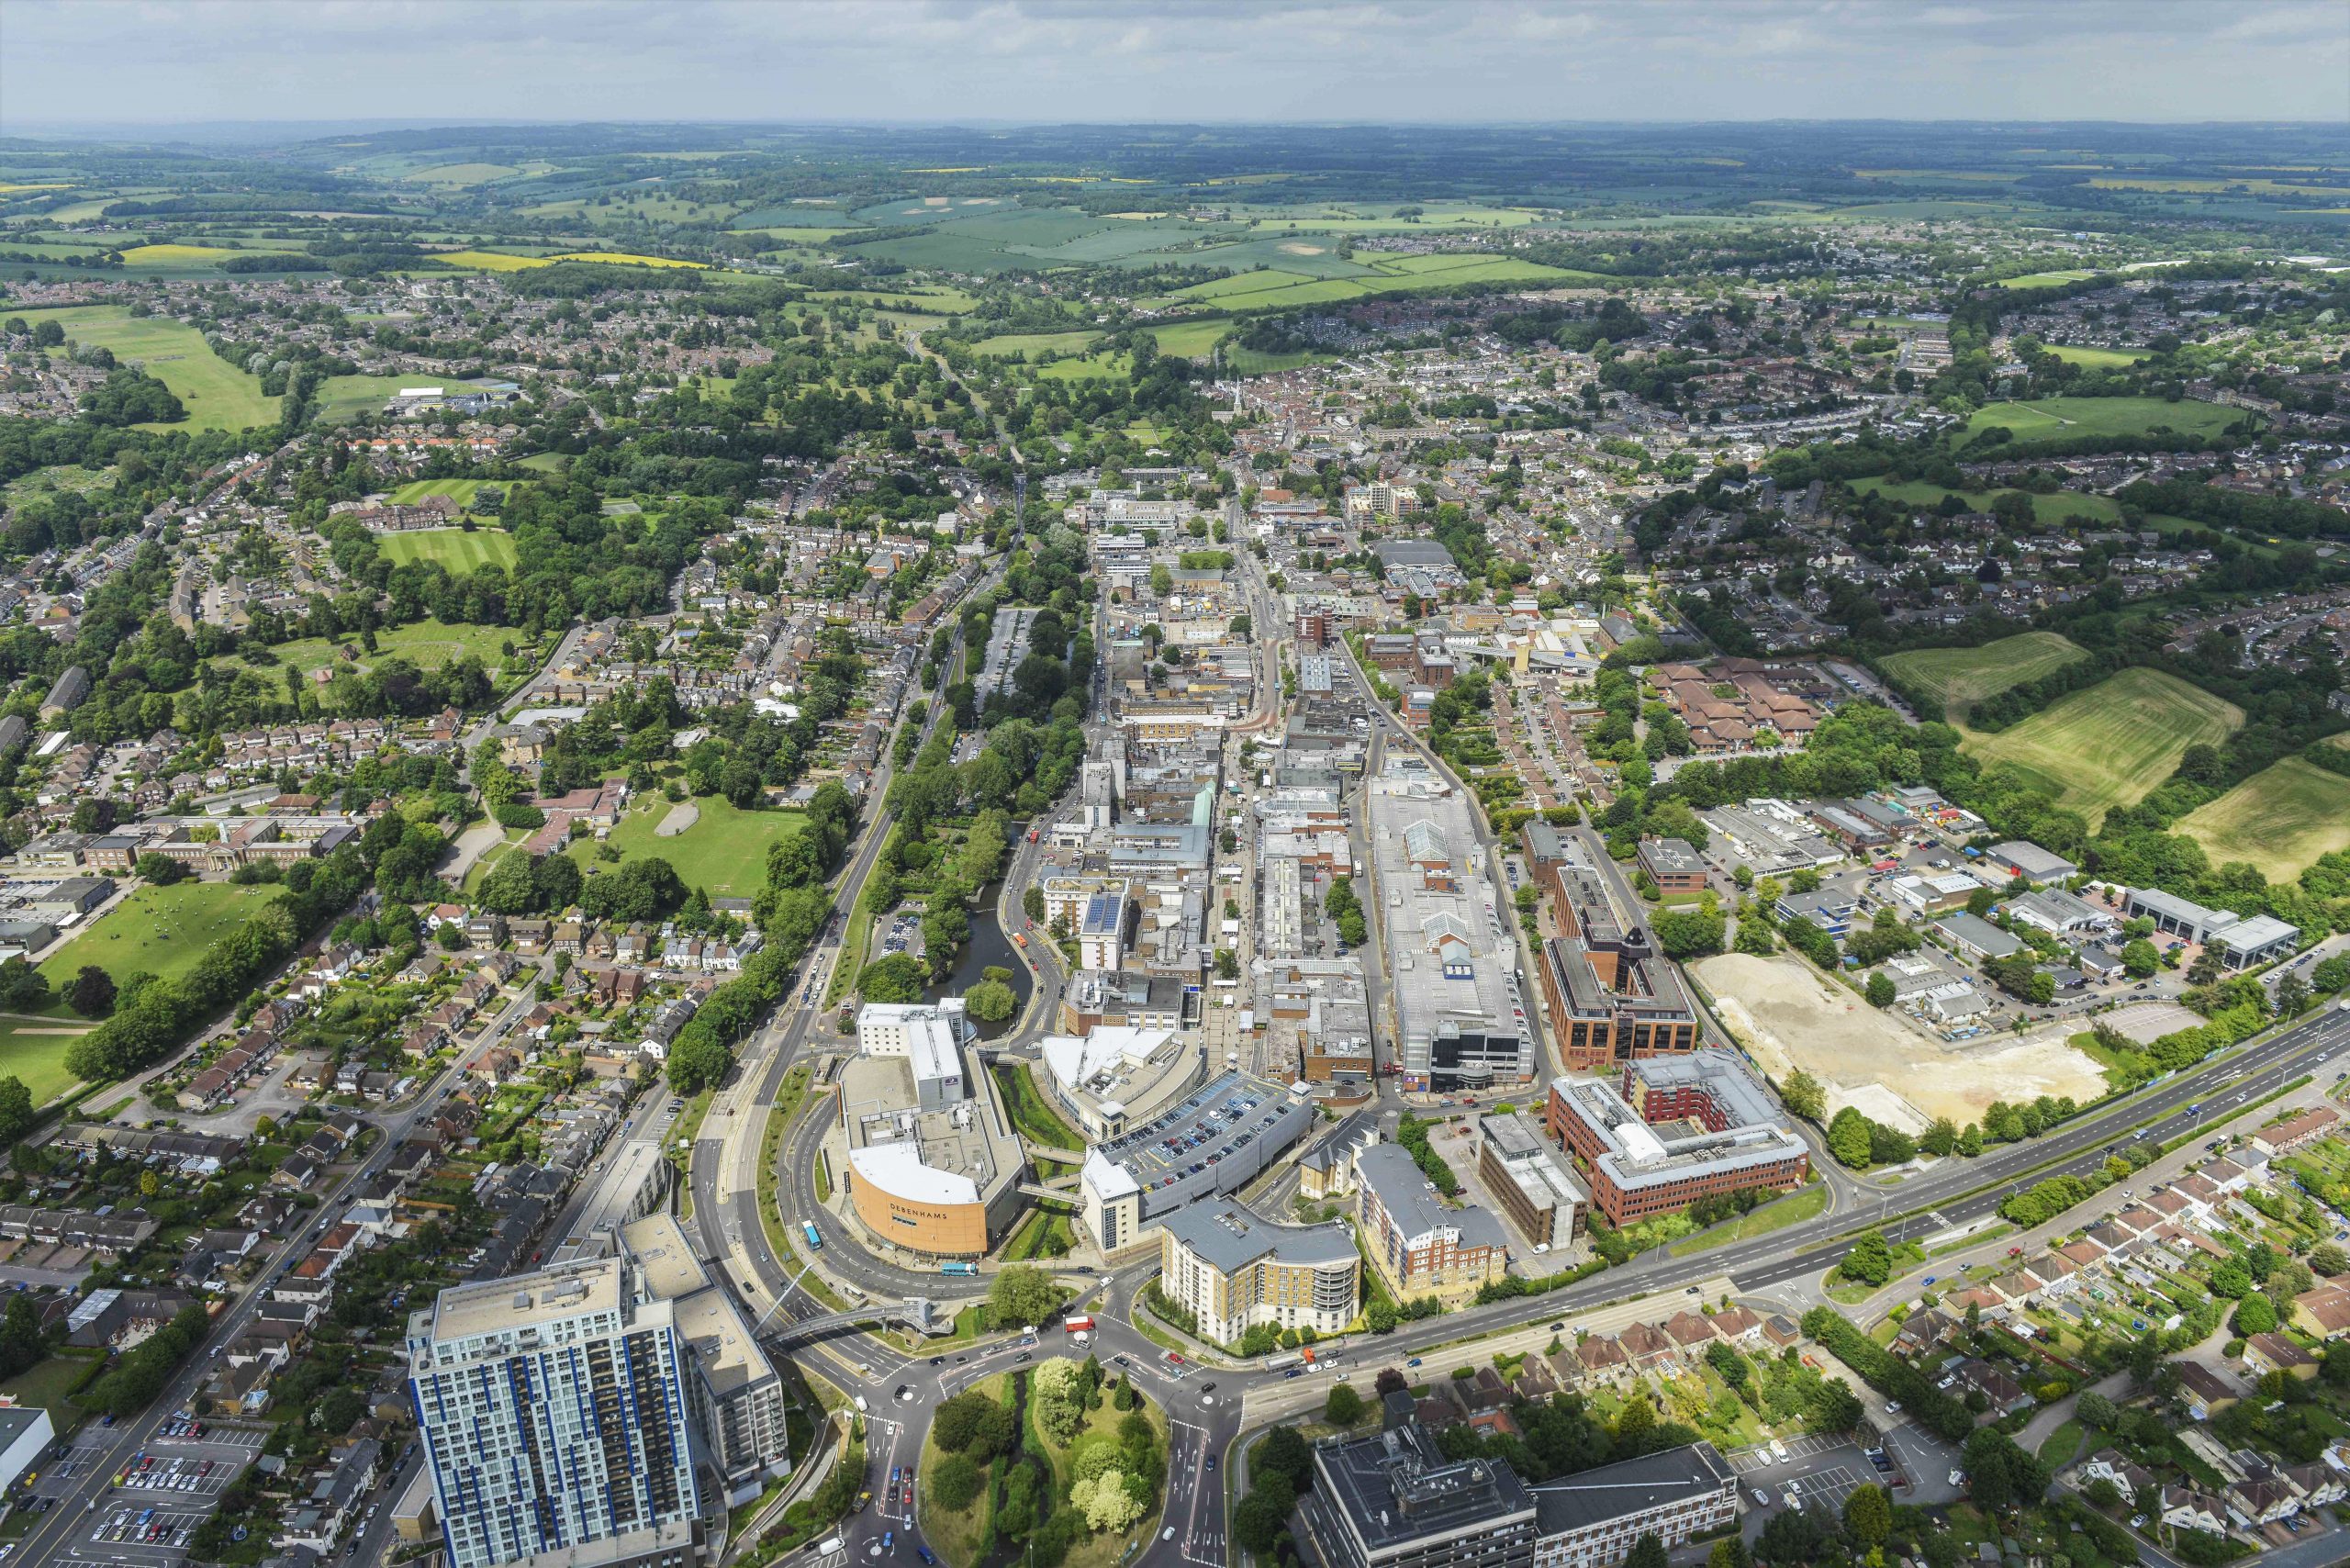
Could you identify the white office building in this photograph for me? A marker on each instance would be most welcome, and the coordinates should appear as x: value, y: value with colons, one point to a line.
x: 929, y: 1036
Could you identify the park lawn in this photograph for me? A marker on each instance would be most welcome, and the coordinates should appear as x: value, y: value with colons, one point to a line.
x: 955, y: 1536
x: 219, y: 395
x: 1960, y: 677
x: 2110, y: 744
x: 2066, y: 417
x: 35, y: 1054
x: 458, y: 550
x: 429, y: 643
x: 1004, y: 345
x: 162, y: 930
x: 1807, y: 1204
x: 725, y: 852
x: 2098, y: 358
x: 2280, y: 820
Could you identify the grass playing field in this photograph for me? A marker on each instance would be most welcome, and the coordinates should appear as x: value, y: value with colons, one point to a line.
x: 35, y: 1054
x: 2113, y: 742
x: 219, y: 395
x: 2098, y: 358
x: 1960, y: 677
x: 457, y: 550
x: 725, y: 852
x: 162, y: 930
x: 343, y: 398
x: 2046, y: 280
x: 2066, y: 417
x: 2281, y: 819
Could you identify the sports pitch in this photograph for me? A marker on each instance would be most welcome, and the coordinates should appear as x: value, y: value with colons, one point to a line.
x: 456, y: 548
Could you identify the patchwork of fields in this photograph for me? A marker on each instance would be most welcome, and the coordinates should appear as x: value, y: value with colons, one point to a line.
x: 2281, y: 819
x: 2111, y: 743
x: 1960, y: 677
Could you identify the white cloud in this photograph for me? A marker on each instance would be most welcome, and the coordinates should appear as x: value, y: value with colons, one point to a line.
x: 1169, y: 61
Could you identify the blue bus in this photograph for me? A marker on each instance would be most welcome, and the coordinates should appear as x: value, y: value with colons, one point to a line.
x: 958, y: 1268
x: 814, y: 1240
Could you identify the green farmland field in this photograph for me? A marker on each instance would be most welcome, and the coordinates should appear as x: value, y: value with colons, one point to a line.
x: 458, y: 550
x: 1190, y: 340
x: 2063, y: 417
x: 219, y: 395
x: 1960, y: 677
x: 725, y: 852
x: 2281, y: 819
x: 2111, y: 743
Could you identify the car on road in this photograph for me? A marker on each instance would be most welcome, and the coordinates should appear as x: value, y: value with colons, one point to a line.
x: 1761, y: 1499
x: 1958, y: 1478
x: 1293, y: 1371
x: 1412, y: 1363
x: 1893, y: 1407
x: 1210, y: 1464
x: 1022, y: 1356
x: 938, y: 1360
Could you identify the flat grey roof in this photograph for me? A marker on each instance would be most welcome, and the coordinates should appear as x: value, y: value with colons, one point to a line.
x: 1231, y: 1237
x: 1397, y: 1487
x: 1629, y: 1486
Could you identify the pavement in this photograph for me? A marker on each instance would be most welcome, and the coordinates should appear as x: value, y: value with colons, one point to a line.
x: 88, y: 1498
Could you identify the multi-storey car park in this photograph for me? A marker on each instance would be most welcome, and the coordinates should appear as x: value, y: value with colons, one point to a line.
x: 1219, y: 1137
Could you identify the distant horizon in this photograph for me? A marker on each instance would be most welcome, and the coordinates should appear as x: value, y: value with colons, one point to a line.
x: 368, y: 124
x: 1492, y: 63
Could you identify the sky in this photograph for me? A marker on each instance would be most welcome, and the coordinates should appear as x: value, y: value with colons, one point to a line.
x: 66, y: 62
